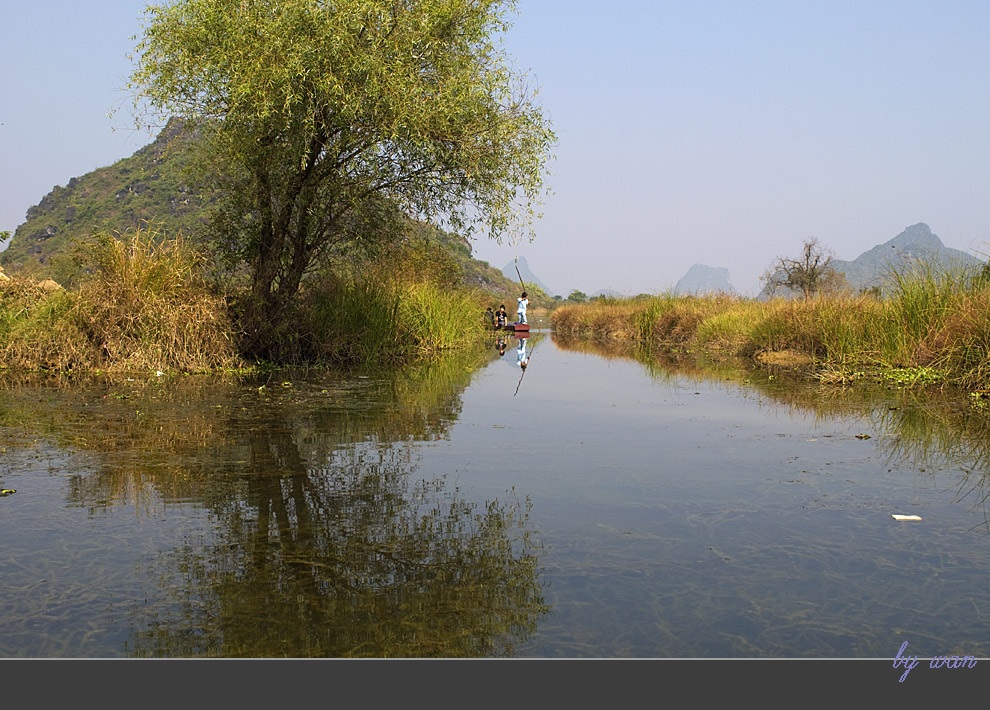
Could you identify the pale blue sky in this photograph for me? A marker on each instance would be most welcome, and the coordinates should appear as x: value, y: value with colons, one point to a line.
x: 702, y: 131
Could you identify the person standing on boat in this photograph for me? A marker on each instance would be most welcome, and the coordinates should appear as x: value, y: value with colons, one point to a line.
x: 523, y: 303
x: 501, y: 318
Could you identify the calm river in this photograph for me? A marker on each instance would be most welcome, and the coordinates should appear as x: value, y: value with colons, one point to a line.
x: 589, y: 506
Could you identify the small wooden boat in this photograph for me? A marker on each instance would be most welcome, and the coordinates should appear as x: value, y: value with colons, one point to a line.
x: 517, y: 327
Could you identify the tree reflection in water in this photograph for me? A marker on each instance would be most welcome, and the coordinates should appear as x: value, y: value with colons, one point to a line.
x: 323, y: 540
x: 350, y: 560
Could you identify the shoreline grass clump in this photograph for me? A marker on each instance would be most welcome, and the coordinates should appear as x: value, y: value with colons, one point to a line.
x: 400, y: 305
x: 145, y: 306
x: 38, y: 328
x: 140, y: 306
x: 602, y: 319
x: 961, y: 343
x: 673, y: 323
x: 925, y: 309
x: 835, y: 329
x: 359, y: 320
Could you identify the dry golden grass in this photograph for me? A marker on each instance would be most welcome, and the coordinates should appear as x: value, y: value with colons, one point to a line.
x: 37, y: 328
x: 146, y: 308
x: 935, y: 323
x: 143, y: 307
x: 599, y: 320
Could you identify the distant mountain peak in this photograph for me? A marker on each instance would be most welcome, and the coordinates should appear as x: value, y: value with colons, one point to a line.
x: 917, y: 244
x: 919, y: 234
x: 528, y: 277
x: 701, y: 279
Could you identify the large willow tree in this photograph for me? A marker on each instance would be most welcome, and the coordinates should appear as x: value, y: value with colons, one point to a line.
x: 318, y: 112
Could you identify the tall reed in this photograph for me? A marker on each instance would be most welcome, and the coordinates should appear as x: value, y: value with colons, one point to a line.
x: 437, y: 319
x: 923, y: 300
x: 961, y: 346
x: 674, y: 321
x: 360, y: 320
x: 601, y: 319
x: 728, y: 331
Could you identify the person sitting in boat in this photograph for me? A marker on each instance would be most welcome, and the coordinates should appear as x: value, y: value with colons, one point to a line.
x: 523, y: 303
x: 501, y: 318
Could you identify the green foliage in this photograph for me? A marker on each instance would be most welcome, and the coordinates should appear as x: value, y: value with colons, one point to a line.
x: 393, y: 312
x: 913, y: 376
x: 312, y: 109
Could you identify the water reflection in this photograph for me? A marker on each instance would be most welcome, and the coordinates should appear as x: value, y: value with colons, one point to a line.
x: 770, y: 498
x: 692, y: 512
x: 323, y: 538
x: 920, y: 429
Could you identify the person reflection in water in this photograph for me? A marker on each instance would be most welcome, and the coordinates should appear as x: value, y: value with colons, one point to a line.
x: 500, y: 345
x: 521, y: 357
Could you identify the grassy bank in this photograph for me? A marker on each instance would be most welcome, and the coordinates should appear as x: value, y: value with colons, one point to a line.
x: 141, y: 303
x: 933, y: 327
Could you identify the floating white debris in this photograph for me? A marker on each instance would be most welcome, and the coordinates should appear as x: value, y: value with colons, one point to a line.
x: 895, y: 516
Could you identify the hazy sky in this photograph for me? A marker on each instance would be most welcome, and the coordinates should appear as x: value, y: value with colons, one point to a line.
x: 699, y: 131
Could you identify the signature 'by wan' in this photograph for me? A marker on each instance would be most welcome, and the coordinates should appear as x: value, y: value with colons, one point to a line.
x: 909, y: 662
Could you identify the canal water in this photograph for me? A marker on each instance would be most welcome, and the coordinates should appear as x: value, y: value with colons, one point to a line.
x: 591, y: 505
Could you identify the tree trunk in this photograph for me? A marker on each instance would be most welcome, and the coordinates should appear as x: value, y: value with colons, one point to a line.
x: 274, y: 288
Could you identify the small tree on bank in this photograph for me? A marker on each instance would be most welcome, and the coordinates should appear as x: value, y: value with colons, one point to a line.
x: 808, y: 274
x: 322, y: 117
